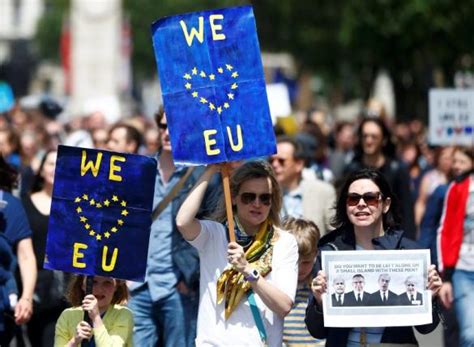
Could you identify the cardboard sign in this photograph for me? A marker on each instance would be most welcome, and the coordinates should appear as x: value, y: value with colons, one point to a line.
x: 451, y: 117
x: 213, y: 86
x: 101, y: 213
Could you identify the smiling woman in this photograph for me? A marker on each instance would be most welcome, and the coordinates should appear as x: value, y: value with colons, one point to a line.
x: 259, y: 270
x: 366, y: 219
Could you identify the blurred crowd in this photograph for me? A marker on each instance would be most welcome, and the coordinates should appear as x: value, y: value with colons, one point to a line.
x: 312, y: 158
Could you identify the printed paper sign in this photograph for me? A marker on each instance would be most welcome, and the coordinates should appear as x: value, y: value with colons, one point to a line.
x: 376, y: 288
x: 213, y: 86
x: 451, y: 117
x: 101, y: 213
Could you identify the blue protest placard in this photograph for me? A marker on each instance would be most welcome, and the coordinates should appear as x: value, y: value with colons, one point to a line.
x: 213, y: 86
x: 101, y: 213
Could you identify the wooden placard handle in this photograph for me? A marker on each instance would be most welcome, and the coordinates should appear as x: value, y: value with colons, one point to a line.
x: 228, y: 200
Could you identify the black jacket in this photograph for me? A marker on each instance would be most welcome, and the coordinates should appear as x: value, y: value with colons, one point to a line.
x: 341, y: 240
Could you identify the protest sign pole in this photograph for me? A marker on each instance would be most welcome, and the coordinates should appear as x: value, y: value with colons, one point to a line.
x: 89, y: 285
x: 228, y: 200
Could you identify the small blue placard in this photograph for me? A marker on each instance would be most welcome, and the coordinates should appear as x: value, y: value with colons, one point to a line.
x: 213, y: 86
x: 100, y: 221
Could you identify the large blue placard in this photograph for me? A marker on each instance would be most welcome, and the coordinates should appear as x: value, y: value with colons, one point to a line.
x: 101, y: 213
x: 213, y: 86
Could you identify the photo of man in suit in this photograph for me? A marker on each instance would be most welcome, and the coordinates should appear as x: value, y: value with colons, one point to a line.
x: 357, y: 297
x: 337, y: 298
x: 411, y: 296
x: 383, y: 297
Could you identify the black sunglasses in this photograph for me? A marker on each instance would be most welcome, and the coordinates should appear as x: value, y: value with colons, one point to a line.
x: 247, y: 198
x: 162, y: 126
x: 370, y: 198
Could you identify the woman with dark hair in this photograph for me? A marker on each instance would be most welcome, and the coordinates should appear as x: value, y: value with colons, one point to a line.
x: 376, y: 150
x: 366, y: 219
x: 48, y: 296
x: 16, y: 232
x: 246, y: 287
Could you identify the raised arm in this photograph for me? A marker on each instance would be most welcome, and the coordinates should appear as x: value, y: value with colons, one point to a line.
x: 186, y: 220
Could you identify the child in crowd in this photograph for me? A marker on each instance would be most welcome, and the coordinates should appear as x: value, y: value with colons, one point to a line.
x: 307, y: 236
x: 111, y: 324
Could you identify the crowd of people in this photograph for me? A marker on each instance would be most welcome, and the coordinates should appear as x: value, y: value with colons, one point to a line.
x: 370, y: 184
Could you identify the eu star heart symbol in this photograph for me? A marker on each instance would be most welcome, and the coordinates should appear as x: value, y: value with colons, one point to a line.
x: 224, y: 71
x: 91, y: 203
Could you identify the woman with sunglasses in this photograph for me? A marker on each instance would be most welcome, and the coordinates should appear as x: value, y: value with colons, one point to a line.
x: 246, y: 287
x: 366, y: 219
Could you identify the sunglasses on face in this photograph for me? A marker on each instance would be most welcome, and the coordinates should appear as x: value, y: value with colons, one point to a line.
x: 162, y: 126
x: 371, y: 198
x: 280, y: 161
x: 248, y: 198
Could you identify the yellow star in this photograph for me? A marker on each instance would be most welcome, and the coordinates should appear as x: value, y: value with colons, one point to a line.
x: 226, y: 105
x: 92, y: 233
x: 235, y: 74
x: 194, y: 71
x: 188, y: 85
x: 107, y: 234
x: 124, y: 213
x: 87, y: 226
x: 92, y: 202
x: 202, y: 74
x: 212, y: 77
x: 98, y: 237
x: 119, y: 222
x: 194, y: 94
x: 79, y: 210
x: 187, y: 76
x: 229, y: 67
x: 220, y: 70
x: 77, y: 200
x: 230, y: 96
x: 83, y: 219
x: 99, y: 205
x: 211, y: 106
x: 85, y: 197
x: 113, y: 229
x: 123, y: 203
x: 107, y: 203
x: 219, y: 110
x: 234, y: 86
x: 203, y: 100
x: 114, y: 198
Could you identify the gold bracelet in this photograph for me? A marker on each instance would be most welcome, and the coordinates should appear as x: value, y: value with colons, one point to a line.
x: 27, y: 299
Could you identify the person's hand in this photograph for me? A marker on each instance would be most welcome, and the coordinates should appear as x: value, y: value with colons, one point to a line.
x: 446, y: 294
x: 83, y: 331
x: 319, y: 286
x: 236, y: 258
x: 23, y: 310
x: 91, y: 305
x: 434, y: 281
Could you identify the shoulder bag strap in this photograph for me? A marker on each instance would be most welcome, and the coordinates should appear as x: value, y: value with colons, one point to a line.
x: 167, y: 199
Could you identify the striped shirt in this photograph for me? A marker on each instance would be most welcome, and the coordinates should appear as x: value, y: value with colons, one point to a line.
x: 294, y: 328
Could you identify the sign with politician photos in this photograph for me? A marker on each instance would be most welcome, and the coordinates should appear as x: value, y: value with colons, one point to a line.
x: 376, y: 288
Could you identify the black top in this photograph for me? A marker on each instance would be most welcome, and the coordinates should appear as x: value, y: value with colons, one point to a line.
x: 39, y: 226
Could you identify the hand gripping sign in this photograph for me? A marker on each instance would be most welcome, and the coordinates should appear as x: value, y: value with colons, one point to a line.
x: 101, y: 213
x: 213, y: 86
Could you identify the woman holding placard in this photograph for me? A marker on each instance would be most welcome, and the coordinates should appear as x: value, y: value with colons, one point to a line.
x: 248, y: 286
x: 366, y: 219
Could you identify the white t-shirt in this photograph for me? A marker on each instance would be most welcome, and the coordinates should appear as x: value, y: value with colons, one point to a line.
x: 240, y: 329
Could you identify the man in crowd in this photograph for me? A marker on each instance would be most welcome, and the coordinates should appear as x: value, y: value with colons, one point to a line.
x: 124, y: 138
x: 303, y: 195
x: 165, y: 306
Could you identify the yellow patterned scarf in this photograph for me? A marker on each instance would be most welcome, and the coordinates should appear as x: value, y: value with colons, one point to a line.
x: 231, y: 285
